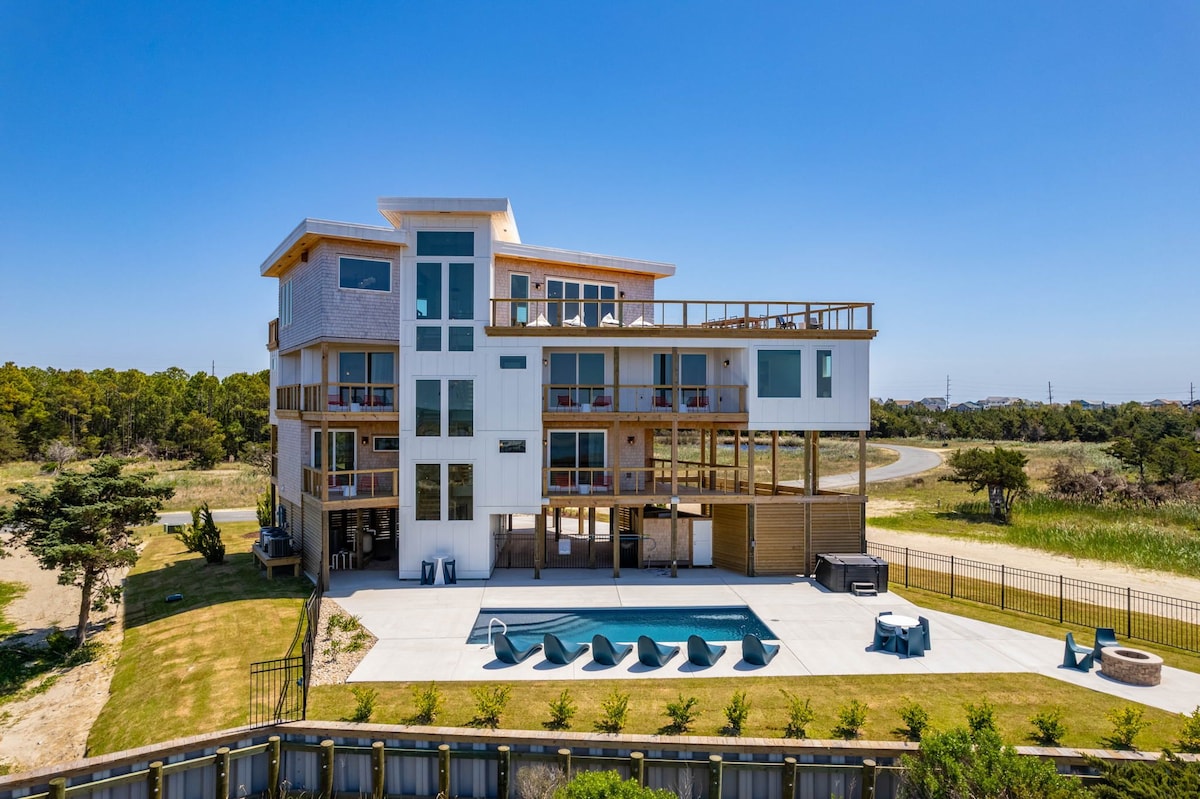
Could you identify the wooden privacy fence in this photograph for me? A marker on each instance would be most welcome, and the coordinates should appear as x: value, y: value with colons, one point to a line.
x: 1134, y: 614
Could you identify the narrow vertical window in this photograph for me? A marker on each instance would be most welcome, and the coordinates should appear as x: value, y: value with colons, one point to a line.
x: 462, y: 291
x: 518, y: 288
x: 429, y: 492
x: 460, y: 477
x: 429, y: 408
x: 285, y: 304
x: 429, y: 291
x: 824, y: 373
x: 462, y: 407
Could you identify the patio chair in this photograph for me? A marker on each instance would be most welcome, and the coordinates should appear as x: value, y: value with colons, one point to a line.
x: 885, y: 637
x: 925, y: 626
x: 448, y: 572
x: 427, y: 567
x: 601, y: 402
x: 1105, y: 636
x: 559, y: 653
x: 755, y: 652
x: 914, y: 641
x: 507, y: 653
x: 702, y: 653
x: 1076, y: 656
x: 661, y: 401
x: 606, y: 653
x: 652, y: 654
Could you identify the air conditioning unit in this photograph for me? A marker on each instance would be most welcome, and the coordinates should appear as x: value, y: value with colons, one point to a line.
x: 279, y: 546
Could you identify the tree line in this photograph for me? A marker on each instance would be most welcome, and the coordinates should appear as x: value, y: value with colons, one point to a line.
x: 169, y: 414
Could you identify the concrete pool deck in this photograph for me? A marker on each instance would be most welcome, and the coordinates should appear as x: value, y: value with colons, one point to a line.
x: 422, y: 631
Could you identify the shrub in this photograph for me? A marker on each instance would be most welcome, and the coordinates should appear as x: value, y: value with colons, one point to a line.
x: 1189, y: 734
x: 562, y: 710
x: 614, y: 712
x: 365, y: 699
x: 1126, y: 722
x: 736, y: 713
x: 1166, y: 777
x: 1048, y: 727
x: 981, y: 717
x: 490, y: 701
x: 204, y: 536
x: 851, y: 719
x: 538, y: 781
x: 800, y: 715
x: 607, y: 785
x: 262, y: 510
x: 959, y: 763
x: 428, y: 703
x: 916, y: 720
x: 682, y: 712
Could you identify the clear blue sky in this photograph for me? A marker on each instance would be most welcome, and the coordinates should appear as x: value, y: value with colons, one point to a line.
x: 1015, y: 185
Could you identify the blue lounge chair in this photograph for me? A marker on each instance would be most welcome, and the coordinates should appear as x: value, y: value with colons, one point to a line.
x: 507, y: 653
x: 702, y: 653
x: 652, y: 654
x: 1105, y: 636
x: 755, y: 652
x: 925, y: 626
x: 606, y: 653
x: 1076, y: 656
x: 914, y: 641
x: 559, y: 653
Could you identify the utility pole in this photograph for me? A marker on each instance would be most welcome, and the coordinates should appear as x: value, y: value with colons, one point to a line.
x: 947, y: 391
x: 1050, y: 391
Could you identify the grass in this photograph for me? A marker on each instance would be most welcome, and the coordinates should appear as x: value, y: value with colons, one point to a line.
x: 1016, y: 697
x: 228, y: 485
x: 184, y: 666
x: 836, y: 456
x: 8, y: 593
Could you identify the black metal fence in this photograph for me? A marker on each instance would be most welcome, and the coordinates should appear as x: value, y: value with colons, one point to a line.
x: 1135, y: 614
x: 279, y: 688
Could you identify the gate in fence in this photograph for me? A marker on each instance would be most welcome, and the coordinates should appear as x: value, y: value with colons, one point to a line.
x: 279, y: 688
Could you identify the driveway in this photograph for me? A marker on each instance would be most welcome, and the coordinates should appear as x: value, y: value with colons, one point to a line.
x: 232, y: 515
x: 912, y: 461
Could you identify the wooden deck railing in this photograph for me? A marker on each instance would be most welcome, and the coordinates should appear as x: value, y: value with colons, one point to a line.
x: 690, y: 480
x: 350, y: 397
x: 287, y: 398
x: 574, y: 316
x: 350, y: 484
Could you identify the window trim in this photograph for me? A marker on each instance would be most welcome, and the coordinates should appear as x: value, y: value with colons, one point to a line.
x: 390, y: 265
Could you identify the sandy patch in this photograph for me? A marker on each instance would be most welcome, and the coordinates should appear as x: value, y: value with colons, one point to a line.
x: 887, y: 507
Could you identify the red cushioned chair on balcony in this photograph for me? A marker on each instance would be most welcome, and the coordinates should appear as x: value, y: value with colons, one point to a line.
x: 699, y: 403
x: 602, y: 402
x: 662, y: 402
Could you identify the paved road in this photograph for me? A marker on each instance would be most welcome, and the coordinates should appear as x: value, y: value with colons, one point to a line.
x: 234, y: 515
x: 913, y: 461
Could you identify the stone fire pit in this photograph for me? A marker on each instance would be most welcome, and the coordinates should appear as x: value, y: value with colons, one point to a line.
x: 1131, y: 666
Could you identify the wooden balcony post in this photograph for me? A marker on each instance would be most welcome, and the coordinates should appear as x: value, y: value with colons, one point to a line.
x: 674, y: 384
x: 617, y: 379
x: 774, y: 461
x: 674, y: 538
x: 750, y: 463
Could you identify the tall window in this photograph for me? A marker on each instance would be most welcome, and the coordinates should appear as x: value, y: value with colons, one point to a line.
x: 462, y: 492
x: 587, y: 314
x: 429, y: 408
x: 693, y: 378
x: 779, y: 373
x: 462, y: 291
x: 429, y: 492
x: 462, y: 407
x: 357, y: 369
x: 573, y: 455
x: 338, y: 451
x: 578, y: 376
x: 285, y: 303
x: 518, y: 288
x: 429, y: 291
x: 824, y: 373
x: 364, y: 274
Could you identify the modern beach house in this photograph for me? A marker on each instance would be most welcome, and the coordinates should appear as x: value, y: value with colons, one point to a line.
x: 448, y: 400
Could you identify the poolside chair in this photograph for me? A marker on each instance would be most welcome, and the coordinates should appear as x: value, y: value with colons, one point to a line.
x: 1076, y: 656
x: 449, y: 573
x: 427, y: 567
x: 559, y: 653
x: 702, y: 653
x: 507, y: 653
x: 652, y: 654
x: 1105, y: 636
x: 606, y: 653
x: 925, y: 626
x: 755, y: 652
x: 914, y: 641
x: 885, y: 637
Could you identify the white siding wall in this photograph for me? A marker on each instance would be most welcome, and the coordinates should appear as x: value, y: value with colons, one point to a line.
x: 848, y: 409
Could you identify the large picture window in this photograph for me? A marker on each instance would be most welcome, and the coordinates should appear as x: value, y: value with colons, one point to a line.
x: 429, y: 492
x: 363, y: 274
x: 365, y: 379
x: 577, y: 377
x: 824, y: 373
x: 573, y: 454
x: 573, y: 312
x: 779, y: 373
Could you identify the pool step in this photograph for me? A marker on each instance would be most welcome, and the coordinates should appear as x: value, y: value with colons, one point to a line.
x: 863, y: 589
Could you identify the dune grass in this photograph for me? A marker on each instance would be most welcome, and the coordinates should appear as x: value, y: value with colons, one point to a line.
x: 1016, y: 697
x: 184, y: 666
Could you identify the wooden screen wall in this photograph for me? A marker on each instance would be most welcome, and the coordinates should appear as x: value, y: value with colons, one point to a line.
x: 779, y: 539
x: 730, y: 539
x: 836, y: 527
x: 312, y: 544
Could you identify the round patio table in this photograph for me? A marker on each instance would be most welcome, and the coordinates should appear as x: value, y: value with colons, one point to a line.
x: 898, y: 622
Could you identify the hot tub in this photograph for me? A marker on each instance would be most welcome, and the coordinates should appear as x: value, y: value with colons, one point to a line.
x: 838, y: 571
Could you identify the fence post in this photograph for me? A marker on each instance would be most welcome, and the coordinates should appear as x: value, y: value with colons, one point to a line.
x: 503, y: 765
x: 789, y: 778
x: 326, y: 781
x: 222, y: 788
x: 1060, y: 599
x: 154, y: 780
x: 1002, y: 586
x: 906, y: 567
x: 273, y: 752
x: 1128, y: 612
x: 637, y: 768
x: 58, y: 788
x: 564, y: 762
x: 444, y: 769
x: 714, y: 777
x: 378, y: 771
x: 867, y: 790
x: 952, y: 577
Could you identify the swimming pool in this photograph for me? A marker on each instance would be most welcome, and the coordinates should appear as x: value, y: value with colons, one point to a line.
x: 578, y: 625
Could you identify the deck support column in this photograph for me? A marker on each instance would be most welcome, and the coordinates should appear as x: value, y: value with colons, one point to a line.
x: 674, y: 536
x: 750, y: 462
x: 614, y: 532
x: 323, y: 490
x: 808, y: 492
x: 774, y: 462
x: 539, y: 543
x: 862, y: 489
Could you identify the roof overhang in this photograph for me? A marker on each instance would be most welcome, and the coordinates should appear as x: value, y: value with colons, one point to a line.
x: 499, y: 209
x: 530, y: 252
x: 310, y: 231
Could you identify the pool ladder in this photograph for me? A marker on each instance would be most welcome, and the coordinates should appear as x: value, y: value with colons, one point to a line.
x: 494, y: 620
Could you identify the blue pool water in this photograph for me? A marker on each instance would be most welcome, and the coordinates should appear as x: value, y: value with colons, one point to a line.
x: 623, y: 625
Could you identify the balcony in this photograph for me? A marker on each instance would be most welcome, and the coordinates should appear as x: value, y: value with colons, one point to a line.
x: 690, y: 479
x: 699, y: 399
x: 273, y: 334
x: 350, y: 398
x: 359, y: 484
x: 618, y: 317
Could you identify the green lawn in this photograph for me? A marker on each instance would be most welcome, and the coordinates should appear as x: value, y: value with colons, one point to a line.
x: 1016, y: 697
x: 184, y: 666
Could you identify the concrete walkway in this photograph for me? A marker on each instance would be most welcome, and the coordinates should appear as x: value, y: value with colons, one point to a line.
x: 422, y: 631
x: 229, y: 515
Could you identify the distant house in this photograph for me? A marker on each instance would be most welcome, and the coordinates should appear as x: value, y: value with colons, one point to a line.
x: 1090, y: 406
x: 934, y: 403
x: 1001, y: 402
x: 1163, y: 403
x: 966, y: 406
x: 902, y: 403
